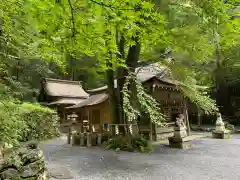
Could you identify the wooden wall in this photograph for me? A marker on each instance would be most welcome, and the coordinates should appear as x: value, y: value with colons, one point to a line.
x: 105, y: 114
x: 91, y: 112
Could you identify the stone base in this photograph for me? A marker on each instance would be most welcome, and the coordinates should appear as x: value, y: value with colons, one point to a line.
x: 181, y: 143
x: 76, y: 140
x: 221, y: 134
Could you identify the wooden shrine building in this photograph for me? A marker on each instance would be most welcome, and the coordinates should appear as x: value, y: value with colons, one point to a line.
x: 96, y: 109
x: 59, y: 94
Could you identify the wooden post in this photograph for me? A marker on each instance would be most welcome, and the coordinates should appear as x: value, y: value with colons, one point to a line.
x: 151, y: 131
x: 64, y: 117
x: 99, y: 139
x: 155, y: 132
x: 199, y: 119
x: 69, y: 133
x: 151, y: 125
x: 186, y: 119
x: 89, y: 140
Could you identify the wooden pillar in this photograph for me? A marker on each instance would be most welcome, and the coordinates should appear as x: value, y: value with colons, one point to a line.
x: 64, y: 116
x: 89, y: 120
x: 150, y: 123
x: 199, y: 118
x: 186, y: 118
x: 69, y: 133
x: 151, y: 132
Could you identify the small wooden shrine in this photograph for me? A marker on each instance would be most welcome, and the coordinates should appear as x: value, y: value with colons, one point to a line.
x: 59, y: 94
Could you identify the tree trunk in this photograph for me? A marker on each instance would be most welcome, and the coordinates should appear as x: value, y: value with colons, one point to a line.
x: 120, y: 78
x: 222, y: 98
x: 199, y: 118
x: 112, y: 92
x: 122, y: 73
x: 131, y: 62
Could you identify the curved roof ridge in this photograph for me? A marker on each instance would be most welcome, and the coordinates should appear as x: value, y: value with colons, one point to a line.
x: 91, y: 101
x: 64, y: 88
x: 63, y: 81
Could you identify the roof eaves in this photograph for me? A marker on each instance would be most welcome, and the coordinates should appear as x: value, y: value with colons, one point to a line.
x: 91, y: 101
x: 62, y: 81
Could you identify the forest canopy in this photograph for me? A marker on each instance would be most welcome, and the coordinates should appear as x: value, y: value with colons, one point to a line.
x: 96, y: 42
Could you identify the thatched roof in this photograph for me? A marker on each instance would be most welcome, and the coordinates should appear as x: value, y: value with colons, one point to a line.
x: 144, y: 74
x: 92, y: 100
x: 64, y: 88
x: 153, y: 70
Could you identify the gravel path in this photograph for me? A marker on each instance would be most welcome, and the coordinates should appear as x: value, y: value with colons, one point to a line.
x: 209, y: 159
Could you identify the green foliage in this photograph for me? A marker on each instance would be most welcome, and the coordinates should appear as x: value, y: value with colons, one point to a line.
x: 229, y: 126
x: 198, y: 95
x: 129, y: 143
x: 80, y: 37
x: 143, y: 102
x: 11, y: 126
x: 42, y: 123
x: 24, y: 122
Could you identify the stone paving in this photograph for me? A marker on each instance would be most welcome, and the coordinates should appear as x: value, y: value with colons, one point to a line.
x: 209, y: 159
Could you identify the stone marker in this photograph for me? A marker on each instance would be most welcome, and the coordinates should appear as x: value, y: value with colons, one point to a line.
x: 76, y: 138
x: 180, y: 138
x: 220, y: 132
x: 99, y: 139
x: 82, y: 137
x: 89, y: 140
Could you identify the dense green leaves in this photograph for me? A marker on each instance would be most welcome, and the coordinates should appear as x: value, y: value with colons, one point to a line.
x: 78, y: 39
x: 23, y: 122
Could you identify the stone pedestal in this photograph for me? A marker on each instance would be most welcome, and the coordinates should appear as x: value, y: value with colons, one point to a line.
x: 93, y: 139
x: 180, y: 139
x: 76, y: 139
x: 225, y: 134
x: 89, y: 140
x: 220, y: 132
x: 99, y: 139
x: 82, y: 138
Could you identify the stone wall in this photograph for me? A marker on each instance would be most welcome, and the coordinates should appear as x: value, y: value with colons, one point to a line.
x: 25, y: 163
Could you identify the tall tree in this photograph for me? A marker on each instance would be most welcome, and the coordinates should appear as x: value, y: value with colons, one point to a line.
x: 65, y: 31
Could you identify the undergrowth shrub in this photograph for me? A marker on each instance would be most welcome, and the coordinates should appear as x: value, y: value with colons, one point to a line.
x: 229, y: 126
x: 129, y: 143
x: 23, y: 122
x: 42, y: 122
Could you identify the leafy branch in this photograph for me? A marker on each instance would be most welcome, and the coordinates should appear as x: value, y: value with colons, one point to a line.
x: 147, y: 103
x: 109, y: 6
